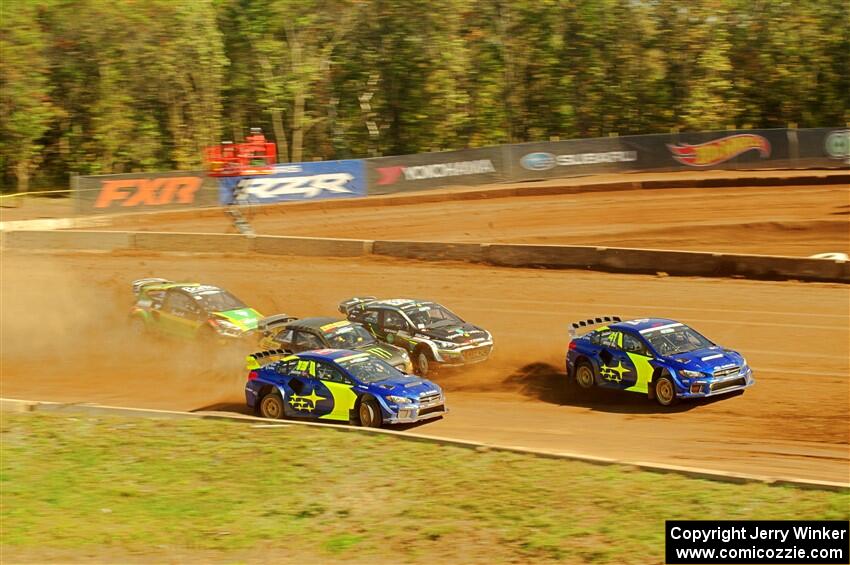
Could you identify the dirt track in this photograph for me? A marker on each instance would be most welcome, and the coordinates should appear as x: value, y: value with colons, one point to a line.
x: 781, y: 220
x: 64, y: 338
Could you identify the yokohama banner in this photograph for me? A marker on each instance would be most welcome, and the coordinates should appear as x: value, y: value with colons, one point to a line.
x: 433, y: 170
x: 144, y: 192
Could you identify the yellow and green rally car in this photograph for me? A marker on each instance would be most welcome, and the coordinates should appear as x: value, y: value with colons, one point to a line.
x: 190, y: 310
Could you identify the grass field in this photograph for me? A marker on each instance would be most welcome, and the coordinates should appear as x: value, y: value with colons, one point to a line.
x: 110, y: 489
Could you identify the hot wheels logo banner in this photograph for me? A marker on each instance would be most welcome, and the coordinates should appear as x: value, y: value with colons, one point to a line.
x: 298, y: 181
x: 720, y: 150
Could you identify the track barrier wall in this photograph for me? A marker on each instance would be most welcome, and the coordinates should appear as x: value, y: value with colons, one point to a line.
x: 611, y: 259
x: 724, y: 150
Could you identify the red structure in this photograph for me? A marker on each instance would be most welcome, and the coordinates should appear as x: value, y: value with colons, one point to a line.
x: 256, y: 156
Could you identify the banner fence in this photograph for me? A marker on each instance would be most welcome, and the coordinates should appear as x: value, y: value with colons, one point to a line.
x: 725, y: 150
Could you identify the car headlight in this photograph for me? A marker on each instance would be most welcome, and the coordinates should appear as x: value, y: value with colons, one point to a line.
x: 690, y: 374
x: 445, y: 344
x: 227, y: 326
x: 404, y: 356
x: 398, y: 399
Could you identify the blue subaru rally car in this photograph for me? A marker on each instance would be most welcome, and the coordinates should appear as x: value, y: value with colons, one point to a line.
x: 340, y: 385
x: 661, y: 358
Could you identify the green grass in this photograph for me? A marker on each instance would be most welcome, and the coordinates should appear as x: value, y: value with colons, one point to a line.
x: 108, y: 488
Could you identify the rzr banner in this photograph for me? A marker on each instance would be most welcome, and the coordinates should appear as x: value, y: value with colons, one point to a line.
x: 432, y: 170
x: 144, y: 192
x: 297, y: 181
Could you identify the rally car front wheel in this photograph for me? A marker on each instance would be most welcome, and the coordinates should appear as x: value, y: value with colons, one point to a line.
x: 370, y: 413
x: 271, y: 406
x: 665, y: 391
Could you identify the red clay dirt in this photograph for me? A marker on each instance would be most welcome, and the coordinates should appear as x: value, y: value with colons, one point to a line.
x: 65, y: 337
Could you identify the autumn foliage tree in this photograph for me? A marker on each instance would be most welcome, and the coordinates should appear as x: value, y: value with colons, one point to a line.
x: 91, y: 86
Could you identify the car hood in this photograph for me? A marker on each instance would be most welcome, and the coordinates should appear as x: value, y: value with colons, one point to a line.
x: 410, y: 386
x: 393, y: 355
x: 244, y: 318
x: 460, y: 334
x: 708, y: 359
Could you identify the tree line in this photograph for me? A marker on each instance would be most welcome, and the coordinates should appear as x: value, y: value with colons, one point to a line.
x: 96, y: 86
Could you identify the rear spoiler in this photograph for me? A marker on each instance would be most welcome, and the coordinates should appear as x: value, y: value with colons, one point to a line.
x: 356, y: 303
x: 271, y: 322
x: 140, y: 284
x: 252, y: 361
x: 592, y: 322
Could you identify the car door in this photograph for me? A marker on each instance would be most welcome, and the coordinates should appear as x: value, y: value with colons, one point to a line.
x: 304, y: 397
x: 339, y: 388
x: 638, y: 352
x: 616, y: 369
x: 369, y: 319
x: 395, y: 329
x: 179, y: 315
x: 278, y: 339
x: 304, y: 340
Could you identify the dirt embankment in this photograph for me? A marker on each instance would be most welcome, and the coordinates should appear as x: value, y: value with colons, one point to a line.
x: 781, y: 220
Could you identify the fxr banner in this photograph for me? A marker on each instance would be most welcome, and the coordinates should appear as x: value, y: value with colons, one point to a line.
x: 139, y: 192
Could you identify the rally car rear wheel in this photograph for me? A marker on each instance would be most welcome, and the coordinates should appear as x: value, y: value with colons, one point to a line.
x: 584, y: 376
x: 271, y: 406
x: 370, y: 413
x: 665, y: 391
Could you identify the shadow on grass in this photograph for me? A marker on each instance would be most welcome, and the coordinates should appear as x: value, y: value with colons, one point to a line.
x: 547, y: 383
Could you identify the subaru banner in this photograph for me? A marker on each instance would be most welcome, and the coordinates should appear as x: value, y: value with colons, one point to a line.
x: 297, y: 182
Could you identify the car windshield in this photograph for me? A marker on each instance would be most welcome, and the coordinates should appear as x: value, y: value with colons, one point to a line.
x: 218, y: 300
x: 368, y: 369
x: 429, y: 314
x: 679, y: 339
x: 348, y: 337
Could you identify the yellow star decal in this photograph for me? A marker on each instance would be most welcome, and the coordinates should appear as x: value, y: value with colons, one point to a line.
x: 307, y: 403
x: 615, y: 373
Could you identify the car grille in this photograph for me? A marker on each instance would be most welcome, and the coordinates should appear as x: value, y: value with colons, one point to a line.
x: 431, y: 410
x: 429, y: 397
x: 476, y: 354
x: 731, y: 371
x: 728, y: 384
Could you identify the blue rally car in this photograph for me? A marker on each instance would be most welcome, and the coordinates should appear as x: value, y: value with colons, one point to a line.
x: 341, y: 385
x: 661, y: 358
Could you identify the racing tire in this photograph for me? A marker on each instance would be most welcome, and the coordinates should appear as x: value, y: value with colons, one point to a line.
x: 271, y: 406
x: 422, y: 362
x: 584, y: 378
x: 370, y: 413
x: 665, y: 391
